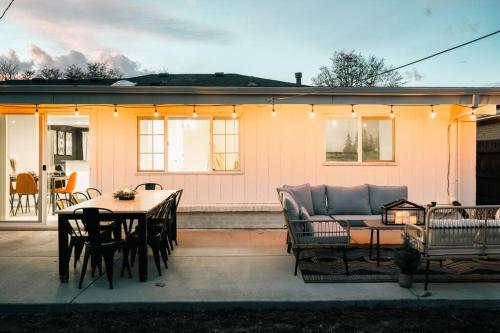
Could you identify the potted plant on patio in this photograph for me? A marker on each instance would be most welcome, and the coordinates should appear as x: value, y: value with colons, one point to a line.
x: 407, y: 259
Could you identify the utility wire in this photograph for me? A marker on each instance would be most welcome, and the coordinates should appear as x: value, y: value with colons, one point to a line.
x: 6, y: 9
x: 433, y: 55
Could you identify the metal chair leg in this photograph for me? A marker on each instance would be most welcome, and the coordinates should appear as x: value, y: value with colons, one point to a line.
x: 297, y: 257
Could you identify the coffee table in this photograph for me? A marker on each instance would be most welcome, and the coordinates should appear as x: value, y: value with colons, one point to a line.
x: 377, y: 225
x: 373, y: 226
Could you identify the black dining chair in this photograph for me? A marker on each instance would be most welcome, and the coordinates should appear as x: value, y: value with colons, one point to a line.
x: 157, y: 229
x: 79, y: 197
x: 99, y: 245
x: 93, y: 193
x: 149, y: 186
x: 178, y: 196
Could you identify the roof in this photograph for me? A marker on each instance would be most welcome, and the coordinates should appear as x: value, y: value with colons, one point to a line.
x: 218, y: 79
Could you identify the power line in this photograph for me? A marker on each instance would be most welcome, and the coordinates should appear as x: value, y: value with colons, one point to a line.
x: 6, y: 9
x: 433, y: 55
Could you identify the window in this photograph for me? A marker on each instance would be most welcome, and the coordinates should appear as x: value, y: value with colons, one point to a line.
x: 225, y: 148
x: 188, y: 145
x: 151, y: 144
x: 365, y: 139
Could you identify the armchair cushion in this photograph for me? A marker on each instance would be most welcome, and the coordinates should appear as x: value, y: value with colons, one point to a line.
x: 381, y: 195
x: 348, y: 200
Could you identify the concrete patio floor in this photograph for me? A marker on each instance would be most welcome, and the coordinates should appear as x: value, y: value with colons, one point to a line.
x: 209, y: 267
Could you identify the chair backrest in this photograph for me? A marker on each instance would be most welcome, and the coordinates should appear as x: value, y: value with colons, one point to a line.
x: 70, y: 186
x: 63, y: 203
x: 12, y: 190
x: 79, y: 197
x: 149, y: 186
x: 93, y: 192
x: 26, y: 184
x: 91, y: 219
x: 178, y: 195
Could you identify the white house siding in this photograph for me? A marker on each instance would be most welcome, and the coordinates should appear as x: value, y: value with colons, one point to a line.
x: 289, y: 149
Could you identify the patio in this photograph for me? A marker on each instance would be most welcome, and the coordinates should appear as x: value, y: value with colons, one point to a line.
x: 209, y: 269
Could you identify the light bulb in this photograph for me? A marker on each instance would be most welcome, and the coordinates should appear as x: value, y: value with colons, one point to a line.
x: 353, y: 114
x: 234, y: 112
x: 77, y: 113
x: 36, y: 110
x: 472, y: 116
x: 115, y: 113
x: 156, y: 111
x: 274, y: 112
x: 311, y: 113
x: 392, y: 113
x: 195, y: 115
x: 432, y: 114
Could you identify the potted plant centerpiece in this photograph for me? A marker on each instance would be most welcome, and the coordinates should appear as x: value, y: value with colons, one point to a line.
x: 407, y: 259
x: 125, y: 194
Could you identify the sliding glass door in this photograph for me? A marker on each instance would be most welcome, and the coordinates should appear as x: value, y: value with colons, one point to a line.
x: 21, y: 171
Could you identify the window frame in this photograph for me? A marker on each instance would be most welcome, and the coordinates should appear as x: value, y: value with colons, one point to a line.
x: 212, y: 145
x: 138, y: 157
x: 166, y: 147
x: 359, y: 121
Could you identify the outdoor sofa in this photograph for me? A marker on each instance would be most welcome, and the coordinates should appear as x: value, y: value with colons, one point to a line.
x: 459, y: 232
x: 318, y: 216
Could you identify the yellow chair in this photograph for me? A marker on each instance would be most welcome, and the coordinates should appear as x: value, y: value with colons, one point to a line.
x: 26, y: 186
x: 69, y: 189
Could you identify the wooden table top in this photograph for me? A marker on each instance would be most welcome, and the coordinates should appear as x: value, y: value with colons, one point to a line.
x: 144, y: 202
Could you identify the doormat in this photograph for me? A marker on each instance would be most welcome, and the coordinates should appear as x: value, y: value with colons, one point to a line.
x: 323, y: 266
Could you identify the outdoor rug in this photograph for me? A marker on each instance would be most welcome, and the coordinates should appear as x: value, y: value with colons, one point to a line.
x: 323, y: 266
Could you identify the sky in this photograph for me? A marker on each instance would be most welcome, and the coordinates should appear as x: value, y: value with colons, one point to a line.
x: 265, y: 38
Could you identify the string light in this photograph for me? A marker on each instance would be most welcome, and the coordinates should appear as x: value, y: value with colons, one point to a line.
x: 77, y: 113
x: 234, y: 111
x: 311, y: 113
x: 115, y: 113
x: 432, y: 114
x: 195, y: 115
x: 353, y: 114
x: 36, y: 110
x: 392, y: 113
x: 156, y: 110
x: 274, y: 111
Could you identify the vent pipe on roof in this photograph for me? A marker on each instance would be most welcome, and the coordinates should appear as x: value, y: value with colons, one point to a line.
x: 298, y: 78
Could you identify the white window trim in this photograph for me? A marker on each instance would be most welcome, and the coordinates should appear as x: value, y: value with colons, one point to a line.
x: 359, y: 119
x: 165, y: 171
x: 139, y: 118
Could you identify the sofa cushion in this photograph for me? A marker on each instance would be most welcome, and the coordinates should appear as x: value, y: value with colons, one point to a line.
x: 318, y: 194
x: 302, y: 195
x: 291, y: 208
x: 348, y: 200
x: 381, y: 195
x: 304, y: 214
x: 357, y: 217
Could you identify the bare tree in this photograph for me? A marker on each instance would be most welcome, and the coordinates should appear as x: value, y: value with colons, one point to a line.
x: 27, y: 74
x: 350, y: 69
x: 101, y: 70
x: 49, y: 73
x: 9, y: 69
x: 73, y: 72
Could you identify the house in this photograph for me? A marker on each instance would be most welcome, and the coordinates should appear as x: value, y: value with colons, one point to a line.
x: 229, y: 140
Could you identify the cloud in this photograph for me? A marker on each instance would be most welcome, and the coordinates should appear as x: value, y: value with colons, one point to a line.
x: 39, y: 58
x: 74, y: 24
x: 413, y: 75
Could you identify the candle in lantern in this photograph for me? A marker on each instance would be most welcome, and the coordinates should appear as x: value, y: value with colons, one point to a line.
x: 413, y: 219
x: 399, y: 217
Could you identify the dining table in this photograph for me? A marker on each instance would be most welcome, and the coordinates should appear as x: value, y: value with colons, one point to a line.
x: 139, y: 209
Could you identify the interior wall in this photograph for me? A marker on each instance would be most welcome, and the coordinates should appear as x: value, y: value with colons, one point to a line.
x: 22, y: 142
x: 286, y: 149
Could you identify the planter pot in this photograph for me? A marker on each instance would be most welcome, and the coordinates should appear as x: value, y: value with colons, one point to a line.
x: 405, y: 280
